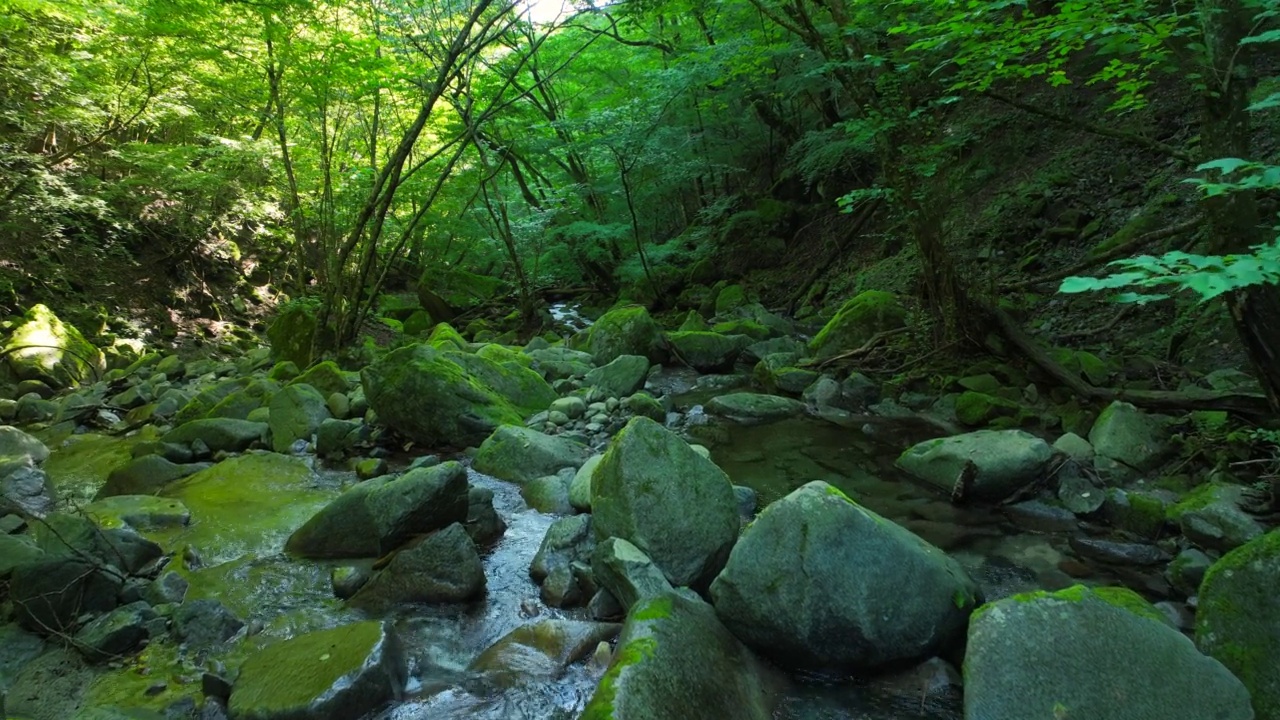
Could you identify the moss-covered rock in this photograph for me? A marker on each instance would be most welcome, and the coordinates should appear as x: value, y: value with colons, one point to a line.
x: 519, y: 385
x: 1004, y: 461
x: 1074, y: 652
x: 1236, y: 619
x: 541, y: 650
x: 708, y: 351
x: 503, y: 354
x: 293, y: 333
x: 444, y: 337
x: 694, y: 322
x: 443, y: 567
x: 241, y: 403
x: 730, y: 298
x: 418, y: 323
x: 627, y: 330
x: 47, y: 349
x: 209, y: 397
x: 419, y: 392
x: 755, y: 407
x: 675, y: 660
x: 344, y: 672
x: 748, y: 328
x: 326, y: 377
x: 857, y: 321
x: 519, y: 454
x: 976, y: 409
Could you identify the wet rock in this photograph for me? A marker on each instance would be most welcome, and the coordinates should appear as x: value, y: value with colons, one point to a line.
x: 676, y: 506
x: 442, y: 567
x: 645, y: 405
x: 708, y: 352
x: 115, y: 634
x: 140, y: 512
x: 675, y: 659
x: 519, y: 454
x: 419, y: 392
x: 1132, y: 437
x: 17, y: 550
x: 25, y: 488
x: 604, y: 606
x: 50, y: 687
x: 1078, y: 493
x: 1211, y: 517
x: 379, y: 515
x: 541, y: 650
x: 1187, y: 570
x: 50, y: 594
x: 548, y: 494
x: 627, y: 573
x: 573, y: 407
x: 218, y: 434
x: 755, y: 407
x: 567, y: 541
x: 818, y: 581
x: 296, y: 414
x: 624, y: 331
x: 1004, y: 461
x: 1236, y: 618
x: 1038, y: 516
x: 1118, y: 553
x: 66, y: 535
x: 580, y: 486
x: 561, y: 589
x: 347, y: 581
x: 860, y: 318
x: 334, y: 438
x: 344, y: 672
x: 483, y: 524
x: 746, y: 500
x: 15, y: 443
x: 1075, y: 447
x: 1079, y: 650
x: 204, y: 624
x: 622, y: 376
x: 47, y: 349
x: 169, y: 588
x: 146, y: 475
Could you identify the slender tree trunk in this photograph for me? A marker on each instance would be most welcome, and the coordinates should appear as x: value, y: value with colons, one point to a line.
x: 1233, y: 218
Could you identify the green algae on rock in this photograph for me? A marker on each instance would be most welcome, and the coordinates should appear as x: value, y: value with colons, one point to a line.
x: 857, y: 321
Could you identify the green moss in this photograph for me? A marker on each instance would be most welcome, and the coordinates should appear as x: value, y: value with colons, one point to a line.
x: 655, y: 608
x: 418, y: 323
x: 975, y: 408
x: 729, y: 299
x: 325, y: 377
x: 836, y: 492
x: 157, y: 666
x: 1093, y: 368
x: 503, y: 354
x: 81, y: 465
x: 750, y: 328
x: 601, y: 705
x: 1120, y: 597
x: 293, y: 332
x: 444, y: 337
x: 1199, y: 498
x: 857, y: 321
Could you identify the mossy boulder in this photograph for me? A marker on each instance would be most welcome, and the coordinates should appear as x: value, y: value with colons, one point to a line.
x: 418, y: 323
x: 541, y: 650
x: 379, y: 515
x: 241, y: 403
x: 503, y: 354
x: 776, y: 372
x: 520, y: 454
x: 209, y: 397
x: 295, y: 414
x: 343, y: 672
x: 749, y: 328
x: 1211, y: 517
x: 729, y: 299
x: 676, y: 506
x: 620, y: 377
x: 218, y: 434
x: 675, y: 660
x: 755, y: 407
x: 626, y: 330
x: 694, y: 322
x: 708, y: 351
x: 146, y: 475
x: 1098, y: 653
x: 326, y: 377
x: 444, y: 337
x: 521, y: 386
x: 443, y: 567
x: 293, y: 333
x: 857, y: 321
x: 819, y: 581
x: 419, y: 392
x: 976, y: 409
x: 1236, y: 621
x: 1004, y: 461
x: 47, y: 349
x: 1129, y: 436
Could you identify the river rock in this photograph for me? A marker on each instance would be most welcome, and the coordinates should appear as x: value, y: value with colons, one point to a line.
x: 541, y: 650
x: 377, y: 516
x: 205, y: 623
x: 676, y: 506
x: 857, y: 321
x: 560, y: 363
x: 1236, y: 621
x: 420, y: 393
x: 146, y: 475
x: 573, y: 407
x: 1118, y: 553
x: 1131, y: 437
x: 484, y: 524
x: 520, y: 454
x: 326, y: 377
x: 25, y: 488
x: 526, y: 390
x: 755, y: 407
x: 15, y: 444
x: 568, y: 540
x: 627, y: 573
x: 296, y: 414
x: 819, y: 581
x: 547, y: 494
x: 626, y: 330
x: 580, y: 486
x: 47, y: 349
x: 344, y: 672
x: 1102, y: 654
x: 64, y: 534
x: 441, y: 568
x: 335, y: 437
x: 620, y: 377
x: 218, y: 434
x: 675, y: 660
x: 1211, y: 517
x: 708, y: 352
x: 1005, y: 461
x: 50, y: 594
x: 117, y: 633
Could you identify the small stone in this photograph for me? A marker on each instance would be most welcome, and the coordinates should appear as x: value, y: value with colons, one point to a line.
x: 370, y: 468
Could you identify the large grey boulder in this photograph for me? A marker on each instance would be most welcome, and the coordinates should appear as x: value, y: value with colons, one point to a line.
x: 755, y: 407
x: 296, y: 414
x: 1236, y: 621
x: 418, y: 392
x: 519, y: 454
x: 622, y: 376
x: 628, y: 574
x: 225, y: 434
x: 443, y: 567
x: 1004, y: 461
x: 377, y: 516
x: 675, y: 660
x: 1131, y: 437
x: 659, y: 494
x: 1102, y: 654
x: 820, y: 581
x: 343, y: 672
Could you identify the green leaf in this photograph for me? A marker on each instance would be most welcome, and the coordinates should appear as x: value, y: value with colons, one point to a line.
x: 1224, y: 165
x: 1270, y: 101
